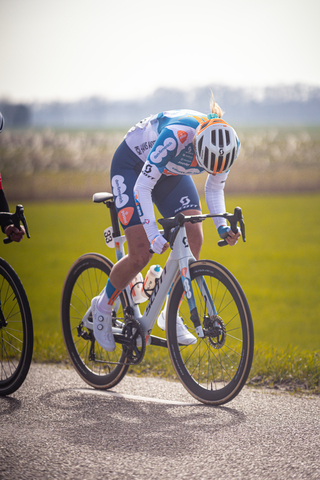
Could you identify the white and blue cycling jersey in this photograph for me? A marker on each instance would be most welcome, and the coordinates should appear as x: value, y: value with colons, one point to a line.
x: 155, y: 164
x: 165, y: 140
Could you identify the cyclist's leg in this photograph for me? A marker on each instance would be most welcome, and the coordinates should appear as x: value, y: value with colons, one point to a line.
x: 138, y: 257
x: 194, y: 233
x: 174, y: 194
x: 125, y: 169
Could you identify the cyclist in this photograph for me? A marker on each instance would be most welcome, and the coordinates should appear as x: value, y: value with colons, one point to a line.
x: 6, y: 226
x: 154, y: 164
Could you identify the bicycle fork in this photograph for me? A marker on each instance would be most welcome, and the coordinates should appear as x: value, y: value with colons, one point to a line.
x: 183, y: 254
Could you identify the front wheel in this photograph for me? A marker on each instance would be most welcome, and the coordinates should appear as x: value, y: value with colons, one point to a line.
x: 86, y: 279
x: 216, y: 367
x: 16, y: 331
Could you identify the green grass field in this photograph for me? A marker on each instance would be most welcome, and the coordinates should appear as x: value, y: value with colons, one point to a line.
x: 278, y: 268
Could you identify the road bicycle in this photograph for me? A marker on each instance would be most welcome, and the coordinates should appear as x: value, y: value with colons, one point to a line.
x: 16, y: 326
x: 203, y: 293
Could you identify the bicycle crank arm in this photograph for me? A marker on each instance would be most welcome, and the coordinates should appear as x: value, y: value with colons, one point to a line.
x: 158, y: 341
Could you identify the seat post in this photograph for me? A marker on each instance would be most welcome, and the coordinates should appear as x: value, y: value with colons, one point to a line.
x: 114, y: 218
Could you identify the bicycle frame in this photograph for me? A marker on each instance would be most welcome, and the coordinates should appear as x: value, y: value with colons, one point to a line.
x: 179, y: 260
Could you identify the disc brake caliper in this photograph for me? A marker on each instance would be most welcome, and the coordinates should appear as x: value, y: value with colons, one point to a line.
x: 215, y: 329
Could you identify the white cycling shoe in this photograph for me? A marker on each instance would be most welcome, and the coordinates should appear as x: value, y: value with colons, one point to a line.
x: 183, y: 334
x: 102, y: 327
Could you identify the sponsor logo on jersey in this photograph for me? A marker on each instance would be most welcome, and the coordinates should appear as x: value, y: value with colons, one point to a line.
x: 184, y: 201
x: 190, y: 206
x: 125, y: 215
x: 147, y: 170
x: 118, y: 188
x: 140, y: 149
x: 182, y: 135
x: 137, y: 202
x: 162, y: 150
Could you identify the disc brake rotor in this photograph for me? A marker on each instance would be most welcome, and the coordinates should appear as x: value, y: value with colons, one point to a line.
x: 215, y: 329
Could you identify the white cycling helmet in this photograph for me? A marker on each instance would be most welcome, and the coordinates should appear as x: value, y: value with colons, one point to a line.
x: 216, y: 145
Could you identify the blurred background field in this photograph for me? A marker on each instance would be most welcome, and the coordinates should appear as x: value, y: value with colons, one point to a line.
x: 51, y: 164
x: 276, y: 182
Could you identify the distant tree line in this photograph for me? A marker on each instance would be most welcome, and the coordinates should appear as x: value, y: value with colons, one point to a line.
x: 280, y: 105
x: 16, y: 115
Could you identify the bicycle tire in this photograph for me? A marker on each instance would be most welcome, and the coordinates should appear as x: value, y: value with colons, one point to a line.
x: 215, y: 369
x: 16, y: 331
x: 85, y: 280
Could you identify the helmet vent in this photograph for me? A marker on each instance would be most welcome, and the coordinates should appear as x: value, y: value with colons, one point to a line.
x: 200, y: 145
x: 221, y: 144
x: 220, y: 160
x: 233, y: 154
x: 213, y: 138
x: 227, y: 137
x: 213, y: 159
x: 206, y: 157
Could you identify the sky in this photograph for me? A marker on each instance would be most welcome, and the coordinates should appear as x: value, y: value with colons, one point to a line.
x: 67, y: 50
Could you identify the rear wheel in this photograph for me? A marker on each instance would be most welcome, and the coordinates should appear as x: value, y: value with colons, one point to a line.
x: 86, y: 279
x: 16, y: 331
x: 215, y: 369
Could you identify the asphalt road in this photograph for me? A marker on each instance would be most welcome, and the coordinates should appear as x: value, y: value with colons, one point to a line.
x: 56, y: 426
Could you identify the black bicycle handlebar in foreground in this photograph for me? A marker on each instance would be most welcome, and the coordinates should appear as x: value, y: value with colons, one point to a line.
x: 172, y: 225
x: 15, y: 219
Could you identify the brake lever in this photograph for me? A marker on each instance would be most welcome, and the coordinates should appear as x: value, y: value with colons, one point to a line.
x: 234, y: 219
x: 16, y: 218
x: 23, y: 219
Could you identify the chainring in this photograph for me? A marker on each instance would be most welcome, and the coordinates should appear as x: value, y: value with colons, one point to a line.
x: 135, y: 346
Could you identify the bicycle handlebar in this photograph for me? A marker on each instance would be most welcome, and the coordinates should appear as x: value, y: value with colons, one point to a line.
x: 172, y: 225
x: 15, y: 218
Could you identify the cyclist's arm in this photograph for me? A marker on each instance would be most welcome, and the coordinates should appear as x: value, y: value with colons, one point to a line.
x: 143, y: 197
x: 4, y: 207
x: 214, y: 191
x: 6, y: 226
x: 162, y: 151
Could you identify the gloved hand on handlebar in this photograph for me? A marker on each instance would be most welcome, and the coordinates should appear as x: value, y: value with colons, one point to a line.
x: 14, y: 233
x: 228, y: 235
x: 159, y: 244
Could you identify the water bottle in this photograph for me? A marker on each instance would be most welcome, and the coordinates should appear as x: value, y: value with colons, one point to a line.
x: 136, y: 288
x: 153, y: 274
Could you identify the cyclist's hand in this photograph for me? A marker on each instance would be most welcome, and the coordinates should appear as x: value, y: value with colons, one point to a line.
x: 14, y: 233
x: 227, y: 234
x: 232, y: 238
x: 159, y: 244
